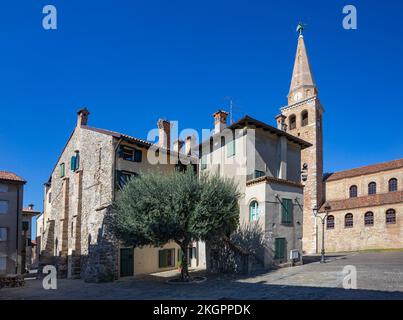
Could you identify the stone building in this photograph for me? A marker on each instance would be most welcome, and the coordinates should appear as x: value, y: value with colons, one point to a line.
x: 366, y: 203
x: 366, y: 208
x: 265, y: 163
x: 11, y: 202
x: 92, y: 167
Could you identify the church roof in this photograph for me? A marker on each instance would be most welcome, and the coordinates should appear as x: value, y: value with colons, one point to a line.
x: 366, y: 201
x: 374, y: 168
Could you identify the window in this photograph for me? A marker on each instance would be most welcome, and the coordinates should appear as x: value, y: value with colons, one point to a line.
x: 50, y: 197
x: 3, y: 234
x: 166, y: 258
x: 123, y: 177
x: 130, y: 154
x: 3, y: 207
x: 330, y: 222
x: 231, y: 147
x: 348, y: 220
x: 390, y: 216
x: 25, y: 226
x: 222, y: 141
x: 62, y: 170
x: 279, y: 248
x: 304, y: 118
x: 353, y: 191
x: 392, y: 185
x: 75, y: 162
x: 203, y: 162
x: 3, y: 187
x: 3, y: 263
x: 286, y: 211
x: 372, y: 188
x: 292, y: 122
x: 369, y: 219
x: 253, y: 210
x: 259, y: 174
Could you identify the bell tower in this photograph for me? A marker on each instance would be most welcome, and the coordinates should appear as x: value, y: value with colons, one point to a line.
x: 302, y: 117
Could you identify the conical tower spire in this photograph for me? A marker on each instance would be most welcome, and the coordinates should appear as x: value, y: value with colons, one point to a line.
x: 302, y: 83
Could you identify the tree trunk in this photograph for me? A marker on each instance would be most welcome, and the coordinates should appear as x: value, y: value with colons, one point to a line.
x: 184, y: 269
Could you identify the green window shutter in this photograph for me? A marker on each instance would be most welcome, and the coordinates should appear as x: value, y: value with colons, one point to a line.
x: 231, y: 148
x: 287, y: 211
x: 61, y: 170
x: 73, y: 163
x: 162, y: 258
x: 279, y: 247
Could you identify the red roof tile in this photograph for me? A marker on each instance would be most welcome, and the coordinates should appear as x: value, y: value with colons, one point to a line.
x: 374, y: 168
x: 9, y: 176
x: 367, y: 201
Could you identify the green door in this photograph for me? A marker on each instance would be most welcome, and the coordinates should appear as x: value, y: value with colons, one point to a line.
x: 126, y: 262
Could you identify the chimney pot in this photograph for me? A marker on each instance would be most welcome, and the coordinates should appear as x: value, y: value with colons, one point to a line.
x: 82, y: 117
x: 220, y: 120
x: 281, y: 122
x: 164, y: 127
x: 178, y: 144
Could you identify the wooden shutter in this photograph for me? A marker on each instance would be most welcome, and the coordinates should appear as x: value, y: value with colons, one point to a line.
x: 286, y: 211
x: 62, y: 170
x: 162, y: 259
x: 279, y: 248
x: 73, y: 163
x: 137, y: 155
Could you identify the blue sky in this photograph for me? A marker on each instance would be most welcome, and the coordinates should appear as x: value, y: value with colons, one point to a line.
x: 131, y: 62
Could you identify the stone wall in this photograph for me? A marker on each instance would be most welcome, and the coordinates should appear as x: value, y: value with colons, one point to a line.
x: 361, y: 237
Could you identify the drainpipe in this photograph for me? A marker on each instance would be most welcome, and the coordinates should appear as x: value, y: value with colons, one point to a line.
x: 114, y: 169
x: 18, y: 229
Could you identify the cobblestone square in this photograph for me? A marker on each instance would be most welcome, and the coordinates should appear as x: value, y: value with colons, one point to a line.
x: 379, y: 276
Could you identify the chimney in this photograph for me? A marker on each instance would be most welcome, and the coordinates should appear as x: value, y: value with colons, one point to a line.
x: 281, y: 122
x: 31, y: 207
x: 220, y: 120
x: 178, y: 144
x: 164, y: 133
x: 188, y: 145
x: 82, y: 118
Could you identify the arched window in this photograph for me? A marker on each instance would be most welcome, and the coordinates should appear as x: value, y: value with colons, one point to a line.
x: 372, y: 188
x: 348, y: 220
x: 253, y: 211
x: 390, y: 216
x: 330, y: 222
x: 369, y: 219
x: 304, y: 118
x: 353, y: 191
x: 392, y: 184
x: 293, y: 122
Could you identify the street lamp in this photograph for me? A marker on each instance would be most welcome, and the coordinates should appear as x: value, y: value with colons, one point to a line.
x: 323, y: 219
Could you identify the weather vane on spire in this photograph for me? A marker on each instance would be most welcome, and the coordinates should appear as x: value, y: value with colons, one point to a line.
x: 300, y: 28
